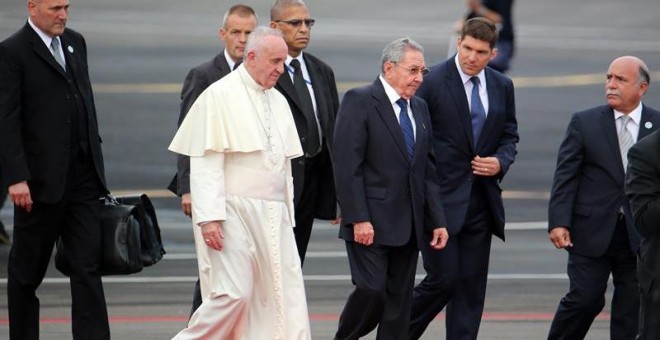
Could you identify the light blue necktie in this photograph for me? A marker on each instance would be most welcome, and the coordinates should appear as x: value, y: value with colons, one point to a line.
x: 406, y: 127
x: 477, y: 111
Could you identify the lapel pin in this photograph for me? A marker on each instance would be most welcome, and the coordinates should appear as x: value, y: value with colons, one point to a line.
x: 648, y: 125
x: 423, y: 126
x: 70, y: 49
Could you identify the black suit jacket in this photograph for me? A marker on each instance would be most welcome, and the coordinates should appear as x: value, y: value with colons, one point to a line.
x: 376, y: 180
x: 588, y: 187
x: 327, y: 104
x: 643, y: 190
x: 454, y: 147
x: 198, y: 79
x: 38, y: 104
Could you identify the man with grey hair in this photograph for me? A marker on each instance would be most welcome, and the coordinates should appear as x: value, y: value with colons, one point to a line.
x: 386, y: 185
x: 237, y: 24
x: 240, y: 138
x: 309, y: 87
x: 589, y: 214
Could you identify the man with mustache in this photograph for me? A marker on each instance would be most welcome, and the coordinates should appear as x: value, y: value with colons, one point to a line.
x: 310, y: 89
x: 589, y: 214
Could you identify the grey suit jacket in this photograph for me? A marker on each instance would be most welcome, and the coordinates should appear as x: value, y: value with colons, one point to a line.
x: 198, y: 79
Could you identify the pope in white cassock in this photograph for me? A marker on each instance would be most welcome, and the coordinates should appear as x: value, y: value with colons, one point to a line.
x: 241, y: 137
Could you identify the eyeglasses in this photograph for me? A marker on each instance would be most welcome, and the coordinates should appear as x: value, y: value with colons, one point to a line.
x: 414, y: 70
x: 298, y: 22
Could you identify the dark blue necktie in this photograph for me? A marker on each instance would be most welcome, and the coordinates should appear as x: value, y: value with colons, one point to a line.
x: 406, y: 127
x: 477, y: 111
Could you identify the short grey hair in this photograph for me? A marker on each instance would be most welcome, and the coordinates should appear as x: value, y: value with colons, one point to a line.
x: 279, y: 6
x: 256, y: 39
x: 241, y: 10
x: 395, y: 50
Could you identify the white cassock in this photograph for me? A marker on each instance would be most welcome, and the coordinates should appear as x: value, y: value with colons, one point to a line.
x: 240, y: 139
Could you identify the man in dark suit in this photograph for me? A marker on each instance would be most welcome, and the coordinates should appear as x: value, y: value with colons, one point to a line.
x: 643, y: 190
x: 589, y: 214
x: 4, y: 237
x: 314, y: 102
x: 386, y: 182
x: 51, y: 160
x: 475, y: 135
x: 237, y: 24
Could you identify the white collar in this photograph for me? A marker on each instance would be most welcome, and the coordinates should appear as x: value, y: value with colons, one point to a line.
x: 635, y: 114
x: 45, y: 37
x: 465, y: 78
x: 391, y: 93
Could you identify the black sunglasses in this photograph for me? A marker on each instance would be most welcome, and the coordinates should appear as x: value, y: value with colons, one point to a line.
x: 298, y: 22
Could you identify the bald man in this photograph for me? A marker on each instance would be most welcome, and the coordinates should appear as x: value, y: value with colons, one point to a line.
x: 589, y: 214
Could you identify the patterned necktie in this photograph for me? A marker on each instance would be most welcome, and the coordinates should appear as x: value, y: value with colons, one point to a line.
x: 406, y: 127
x: 55, y: 46
x: 625, y: 140
x: 477, y: 111
x: 313, y: 140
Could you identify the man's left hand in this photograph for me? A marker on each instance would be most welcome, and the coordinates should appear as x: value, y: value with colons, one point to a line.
x: 440, y: 238
x: 486, y: 166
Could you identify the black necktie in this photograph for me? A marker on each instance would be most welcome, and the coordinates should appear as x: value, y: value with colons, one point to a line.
x: 313, y: 142
x: 406, y: 127
x: 477, y: 111
x: 237, y: 64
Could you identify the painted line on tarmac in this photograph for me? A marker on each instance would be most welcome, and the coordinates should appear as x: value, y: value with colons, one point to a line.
x: 507, y: 194
x: 308, y: 278
x: 519, y: 82
x: 487, y: 316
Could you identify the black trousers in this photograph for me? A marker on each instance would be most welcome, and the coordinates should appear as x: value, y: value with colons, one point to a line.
x: 586, y: 296
x: 456, y: 276
x: 649, y: 312
x: 76, y: 219
x: 307, y: 205
x: 384, y: 278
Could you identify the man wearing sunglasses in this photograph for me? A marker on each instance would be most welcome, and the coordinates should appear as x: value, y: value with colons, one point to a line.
x: 474, y: 123
x: 309, y: 86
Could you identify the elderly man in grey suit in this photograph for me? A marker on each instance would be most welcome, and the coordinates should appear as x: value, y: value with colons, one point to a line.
x: 238, y: 22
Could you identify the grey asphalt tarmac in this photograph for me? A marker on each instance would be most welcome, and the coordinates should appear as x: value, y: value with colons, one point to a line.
x: 140, y: 52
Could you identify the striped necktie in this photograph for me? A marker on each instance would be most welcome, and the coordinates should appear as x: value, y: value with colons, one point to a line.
x: 626, y: 140
x: 55, y: 46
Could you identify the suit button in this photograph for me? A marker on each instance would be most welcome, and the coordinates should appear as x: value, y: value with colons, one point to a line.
x: 68, y: 96
x: 303, y: 139
x: 301, y: 162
